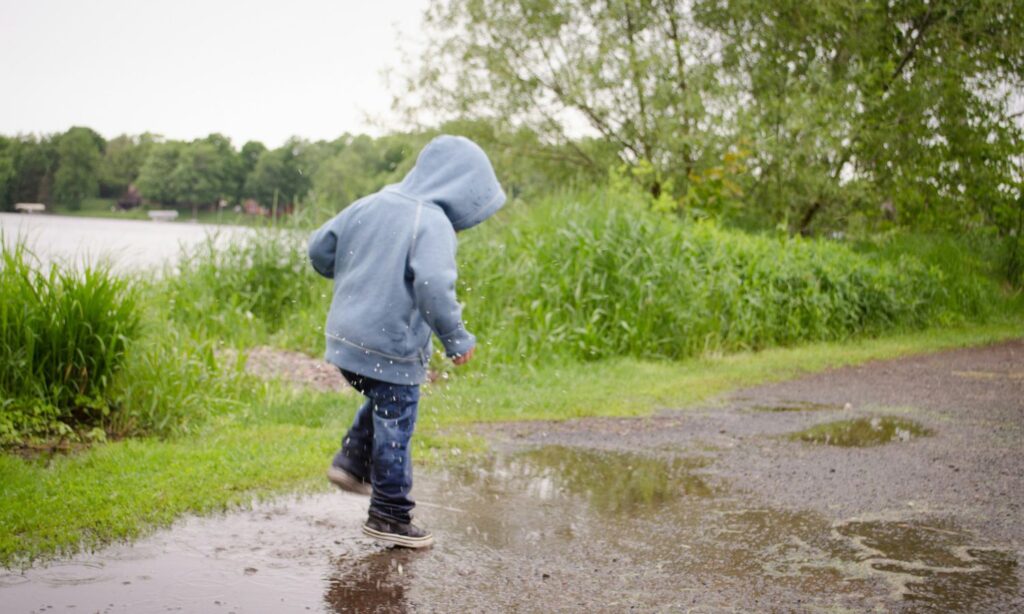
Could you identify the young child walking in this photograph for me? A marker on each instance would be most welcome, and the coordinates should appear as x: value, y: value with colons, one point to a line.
x: 392, y: 258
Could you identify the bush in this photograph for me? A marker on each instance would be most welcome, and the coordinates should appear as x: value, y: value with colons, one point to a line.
x: 63, y: 338
x: 594, y: 277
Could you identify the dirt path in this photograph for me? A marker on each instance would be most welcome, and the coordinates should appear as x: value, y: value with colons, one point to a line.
x: 709, y: 509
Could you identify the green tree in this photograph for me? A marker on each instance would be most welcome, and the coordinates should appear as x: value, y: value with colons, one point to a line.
x: 830, y: 113
x: 155, y: 177
x: 80, y: 152
x: 639, y: 74
x: 8, y: 173
x: 35, y: 159
x: 249, y: 155
x: 279, y: 175
x: 122, y: 162
x: 876, y: 108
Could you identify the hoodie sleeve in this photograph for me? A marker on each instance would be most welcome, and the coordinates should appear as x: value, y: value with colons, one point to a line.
x: 432, y: 263
x: 323, y: 245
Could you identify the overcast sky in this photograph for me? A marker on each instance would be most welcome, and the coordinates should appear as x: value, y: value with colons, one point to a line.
x: 252, y: 69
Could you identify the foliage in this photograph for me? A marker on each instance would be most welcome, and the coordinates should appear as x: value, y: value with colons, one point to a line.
x: 277, y: 178
x: 155, y: 179
x: 242, y: 291
x: 864, y: 113
x: 590, y: 275
x: 639, y: 74
x: 123, y: 158
x: 31, y: 161
x: 63, y: 339
x: 856, y: 104
x: 77, y: 178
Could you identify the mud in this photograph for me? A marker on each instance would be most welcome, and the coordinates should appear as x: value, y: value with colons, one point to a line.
x: 710, y: 509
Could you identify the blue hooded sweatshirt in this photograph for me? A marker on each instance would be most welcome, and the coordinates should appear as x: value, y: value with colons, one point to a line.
x: 392, y: 258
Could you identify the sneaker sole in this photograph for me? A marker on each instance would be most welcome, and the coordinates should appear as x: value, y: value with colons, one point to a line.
x: 347, y: 482
x: 400, y: 540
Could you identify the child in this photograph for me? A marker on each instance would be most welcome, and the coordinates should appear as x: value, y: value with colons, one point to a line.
x: 392, y: 257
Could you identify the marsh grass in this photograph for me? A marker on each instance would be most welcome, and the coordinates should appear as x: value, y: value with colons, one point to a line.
x: 63, y: 338
x: 247, y: 291
x: 588, y: 276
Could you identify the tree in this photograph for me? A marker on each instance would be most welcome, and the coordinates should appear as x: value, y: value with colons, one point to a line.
x: 843, y: 105
x: 7, y: 171
x: 35, y: 159
x: 155, y: 177
x: 637, y: 73
x: 853, y: 104
x: 79, y: 152
x: 279, y: 176
x: 122, y: 162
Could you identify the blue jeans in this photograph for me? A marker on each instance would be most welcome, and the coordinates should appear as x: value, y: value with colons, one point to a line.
x: 376, y: 447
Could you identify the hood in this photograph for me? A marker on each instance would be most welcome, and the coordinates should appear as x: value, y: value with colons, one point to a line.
x: 455, y: 174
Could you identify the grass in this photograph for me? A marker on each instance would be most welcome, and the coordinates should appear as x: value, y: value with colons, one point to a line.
x: 64, y: 335
x: 280, y: 444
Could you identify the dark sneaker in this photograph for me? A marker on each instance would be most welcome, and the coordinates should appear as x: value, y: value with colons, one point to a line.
x: 346, y: 480
x: 402, y: 534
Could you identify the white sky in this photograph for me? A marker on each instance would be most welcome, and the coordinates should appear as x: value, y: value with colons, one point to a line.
x: 249, y: 69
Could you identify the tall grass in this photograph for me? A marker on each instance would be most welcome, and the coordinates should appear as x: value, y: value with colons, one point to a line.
x: 592, y: 276
x: 63, y: 338
x: 247, y: 291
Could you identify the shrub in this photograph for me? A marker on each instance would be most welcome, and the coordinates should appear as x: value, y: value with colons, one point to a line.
x: 63, y: 338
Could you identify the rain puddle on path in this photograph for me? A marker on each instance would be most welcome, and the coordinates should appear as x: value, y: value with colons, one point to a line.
x: 542, y: 529
x: 862, y: 432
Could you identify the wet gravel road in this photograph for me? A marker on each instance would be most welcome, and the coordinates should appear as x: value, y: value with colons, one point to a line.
x: 893, y: 486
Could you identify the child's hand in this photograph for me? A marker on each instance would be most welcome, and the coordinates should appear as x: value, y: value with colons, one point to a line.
x: 462, y: 359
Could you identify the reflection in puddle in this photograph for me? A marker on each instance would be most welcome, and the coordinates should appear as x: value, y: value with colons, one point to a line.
x: 613, y: 483
x: 374, y: 583
x: 862, y: 432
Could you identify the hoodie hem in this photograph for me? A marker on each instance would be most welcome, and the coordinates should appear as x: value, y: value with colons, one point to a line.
x: 364, y: 361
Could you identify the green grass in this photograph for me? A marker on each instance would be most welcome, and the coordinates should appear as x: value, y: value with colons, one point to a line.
x: 64, y: 335
x: 281, y: 443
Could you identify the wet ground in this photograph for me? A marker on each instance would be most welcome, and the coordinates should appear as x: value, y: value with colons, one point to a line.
x: 894, y: 486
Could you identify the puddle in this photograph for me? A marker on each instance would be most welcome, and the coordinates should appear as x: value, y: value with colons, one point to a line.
x: 612, y: 483
x: 862, y: 432
x: 934, y: 567
x: 793, y: 406
x: 548, y: 528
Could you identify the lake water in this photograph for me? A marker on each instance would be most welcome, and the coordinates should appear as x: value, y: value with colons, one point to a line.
x: 128, y: 245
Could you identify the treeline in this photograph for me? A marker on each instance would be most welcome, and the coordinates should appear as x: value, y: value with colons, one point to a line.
x: 66, y: 169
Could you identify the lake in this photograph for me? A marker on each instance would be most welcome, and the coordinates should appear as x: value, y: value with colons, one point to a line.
x: 127, y: 245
